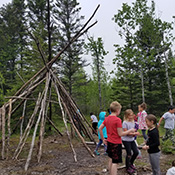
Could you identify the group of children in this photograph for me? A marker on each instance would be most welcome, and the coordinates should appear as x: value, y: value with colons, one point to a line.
x: 112, y: 132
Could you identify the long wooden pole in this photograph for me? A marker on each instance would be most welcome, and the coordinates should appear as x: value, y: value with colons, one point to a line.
x: 70, y: 117
x: 8, y: 125
x: 3, y: 132
x: 34, y: 136
x: 43, y: 117
x: 65, y: 123
x: 28, y: 128
x: 73, y: 104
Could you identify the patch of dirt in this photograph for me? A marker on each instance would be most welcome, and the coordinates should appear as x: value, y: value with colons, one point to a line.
x: 57, y: 159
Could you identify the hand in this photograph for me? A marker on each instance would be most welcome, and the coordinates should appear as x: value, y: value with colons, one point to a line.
x: 132, y: 130
x: 145, y: 147
x: 136, y: 133
x: 105, y: 141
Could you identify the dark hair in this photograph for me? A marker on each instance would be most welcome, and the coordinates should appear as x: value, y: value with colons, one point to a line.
x: 91, y: 113
x: 151, y: 117
x: 171, y: 107
x: 173, y: 163
x: 143, y: 106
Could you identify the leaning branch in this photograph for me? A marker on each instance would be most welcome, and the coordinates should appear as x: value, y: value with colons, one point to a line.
x: 49, y: 64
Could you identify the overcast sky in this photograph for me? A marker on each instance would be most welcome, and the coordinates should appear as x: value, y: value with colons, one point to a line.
x: 106, y: 28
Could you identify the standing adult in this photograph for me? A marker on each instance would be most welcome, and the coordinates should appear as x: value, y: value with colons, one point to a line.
x: 94, y: 121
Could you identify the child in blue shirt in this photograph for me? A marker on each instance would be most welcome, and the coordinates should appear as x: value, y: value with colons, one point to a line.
x: 101, y: 119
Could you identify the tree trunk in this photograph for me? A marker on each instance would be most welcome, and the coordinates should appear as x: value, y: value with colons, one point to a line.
x: 131, y: 95
x: 49, y: 58
x: 99, y: 81
x: 168, y: 81
x: 142, y: 83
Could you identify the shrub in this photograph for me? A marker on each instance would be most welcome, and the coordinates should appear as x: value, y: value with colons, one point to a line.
x: 167, y: 147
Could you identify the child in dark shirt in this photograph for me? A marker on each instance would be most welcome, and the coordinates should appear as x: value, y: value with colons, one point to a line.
x: 152, y: 144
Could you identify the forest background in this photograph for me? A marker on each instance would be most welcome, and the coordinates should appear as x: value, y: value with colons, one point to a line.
x: 145, y: 62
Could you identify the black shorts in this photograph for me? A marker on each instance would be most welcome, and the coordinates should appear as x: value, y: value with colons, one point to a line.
x: 94, y: 125
x: 115, y: 152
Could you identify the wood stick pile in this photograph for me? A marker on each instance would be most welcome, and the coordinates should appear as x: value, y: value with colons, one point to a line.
x: 37, y: 120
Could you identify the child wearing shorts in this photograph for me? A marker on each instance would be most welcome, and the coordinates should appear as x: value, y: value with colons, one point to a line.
x: 114, y: 131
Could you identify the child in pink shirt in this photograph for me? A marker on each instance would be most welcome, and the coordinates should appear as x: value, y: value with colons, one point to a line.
x: 141, y: 119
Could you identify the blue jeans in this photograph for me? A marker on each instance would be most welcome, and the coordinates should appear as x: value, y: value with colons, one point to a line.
x: 99, y: 144
x: 144, y: 134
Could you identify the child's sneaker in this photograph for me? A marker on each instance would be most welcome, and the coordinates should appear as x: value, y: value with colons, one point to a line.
x: 96, y: 153
x: 133, y: 167
x: 130, y: 171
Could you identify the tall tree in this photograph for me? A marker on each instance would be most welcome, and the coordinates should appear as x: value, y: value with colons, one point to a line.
x: 96, y: 48
x: 12, y: 41
x: 69, y: 22
x: 42, y: 26
x: 145, y: 33
x: 126, y: 84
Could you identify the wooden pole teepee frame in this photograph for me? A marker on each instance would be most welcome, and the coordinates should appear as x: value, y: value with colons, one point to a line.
x: 39, y: 115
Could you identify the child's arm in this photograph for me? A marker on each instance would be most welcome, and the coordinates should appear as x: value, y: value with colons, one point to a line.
x: 131, y: 133
x: 123, y: 133
x: 91, y: 119
x: 154, y: 143
x: 101, y: 133
x: 160, y: 121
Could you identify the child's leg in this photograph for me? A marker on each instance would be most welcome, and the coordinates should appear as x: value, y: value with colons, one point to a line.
x: 155, y: 163
x: 144, y: 134
x: 109, y: 165
x: 171, y: 135
x: 105, y: 147
x: 128, y: 153
x: 99, y: 144
x: 115, y: 156
x: 95, y: 127
x: 140, y: 154
x: 114, y: 169
x: 135, y: 152
x: 165, y: 137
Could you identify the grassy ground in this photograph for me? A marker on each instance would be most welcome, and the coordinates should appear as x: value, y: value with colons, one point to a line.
x: 57, y: 152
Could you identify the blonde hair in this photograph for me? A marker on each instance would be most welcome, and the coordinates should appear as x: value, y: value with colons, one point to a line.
x: 127, y: 113
x: 114, y: 106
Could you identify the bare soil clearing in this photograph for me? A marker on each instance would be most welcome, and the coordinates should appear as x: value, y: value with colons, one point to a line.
x: 57, y: 159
